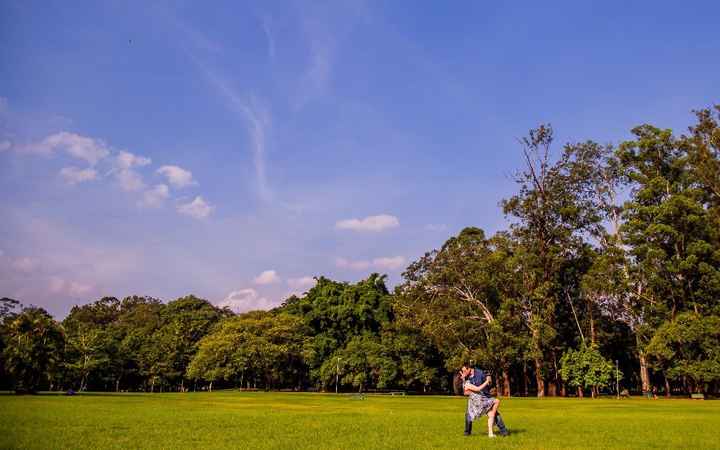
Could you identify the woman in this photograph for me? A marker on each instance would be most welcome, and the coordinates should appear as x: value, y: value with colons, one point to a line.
x: 479, y: 405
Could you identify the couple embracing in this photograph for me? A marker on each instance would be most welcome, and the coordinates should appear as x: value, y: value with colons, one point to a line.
x: 476, y: 386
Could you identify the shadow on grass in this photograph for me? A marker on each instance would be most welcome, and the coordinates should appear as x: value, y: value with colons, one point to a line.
x: 516, y: 431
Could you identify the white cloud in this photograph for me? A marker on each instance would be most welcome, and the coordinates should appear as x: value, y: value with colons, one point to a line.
x: 153, y: 198
x: 371, y: 223
x: 129, y: 180
x: 177, y: 176
x: 81, y: 147
x: 72, y: 288
x: 5, y: 145
x: 75, y: 175
x: 301, y: 283
x: 267, y: 277
x: 383, y: 263
x: 198, y: 208
x: 244, y: 300
x: 126, y: 160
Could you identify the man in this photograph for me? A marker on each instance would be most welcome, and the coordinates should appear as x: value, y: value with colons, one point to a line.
x: 477, y: 377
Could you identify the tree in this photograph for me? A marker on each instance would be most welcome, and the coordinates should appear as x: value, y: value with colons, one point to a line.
x: 688, y: 347
x: 454, y: 295
x: 363, y: 362
x: 138, y: 319
x: 673, y: 264
x: 586, y: 368
x: 184, y: 322
x: 90, y: 344
x: 34, y: 349
x: 254, y: 347
x: 8, y: 307
x: 556, y: 207
x: 335, y: 312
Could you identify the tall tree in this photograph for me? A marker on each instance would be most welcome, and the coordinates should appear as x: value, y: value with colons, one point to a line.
x: 454, y: 296
x: 554, y: 210
x: 34, y: 349
x: 670, y: 234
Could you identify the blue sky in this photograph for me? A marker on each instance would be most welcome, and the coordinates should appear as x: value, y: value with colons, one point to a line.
x: 234, y: 150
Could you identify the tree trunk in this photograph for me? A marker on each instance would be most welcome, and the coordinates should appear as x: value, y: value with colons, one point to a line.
x: 644, y: 374
x: 591, y: 319
x: 667, y: 386
x: 558, y: 388
x: 211, y: 386
x: 526, y: 380
x: 581, y: 394
x: 152, y: 385
x: 552, y: 388
x: 117, y: 385
x: 539, y: 377
x: 506, y: 382
x: 182, y: 384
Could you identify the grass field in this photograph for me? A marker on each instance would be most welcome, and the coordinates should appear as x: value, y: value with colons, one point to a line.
x: 313, y: 421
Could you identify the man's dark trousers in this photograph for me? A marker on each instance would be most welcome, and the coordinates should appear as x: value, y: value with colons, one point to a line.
x: 498, y: 421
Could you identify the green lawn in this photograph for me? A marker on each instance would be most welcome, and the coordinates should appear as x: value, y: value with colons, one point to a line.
x: 288, y: 420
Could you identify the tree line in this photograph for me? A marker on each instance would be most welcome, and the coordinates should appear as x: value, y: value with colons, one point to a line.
x: 610, y: 266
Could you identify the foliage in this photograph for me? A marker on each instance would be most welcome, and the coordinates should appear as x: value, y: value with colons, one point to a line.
x: 637, y: 282
x: 256, y: 346
x: 586, y: 368
x: 689, y: 346
x: 34, y: 348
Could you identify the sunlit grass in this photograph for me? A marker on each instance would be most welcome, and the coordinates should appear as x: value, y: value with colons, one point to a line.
x: 298, y: 420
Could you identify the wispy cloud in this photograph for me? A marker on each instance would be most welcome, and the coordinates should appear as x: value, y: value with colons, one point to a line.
x: 436, y: 227
x: 75, y: 175
x: 371, y: 223
x: 248, y: 107
x: 77, y: 146
x: 316, y: 77
x: 70, y: 288
x: 258, y: 120
x: 383, y: 263
x: 267, y: 27
x: 389, y: 263
x: 25, y: 264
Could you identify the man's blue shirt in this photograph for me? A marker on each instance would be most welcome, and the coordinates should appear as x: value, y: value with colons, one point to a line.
x: 478, y: 377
